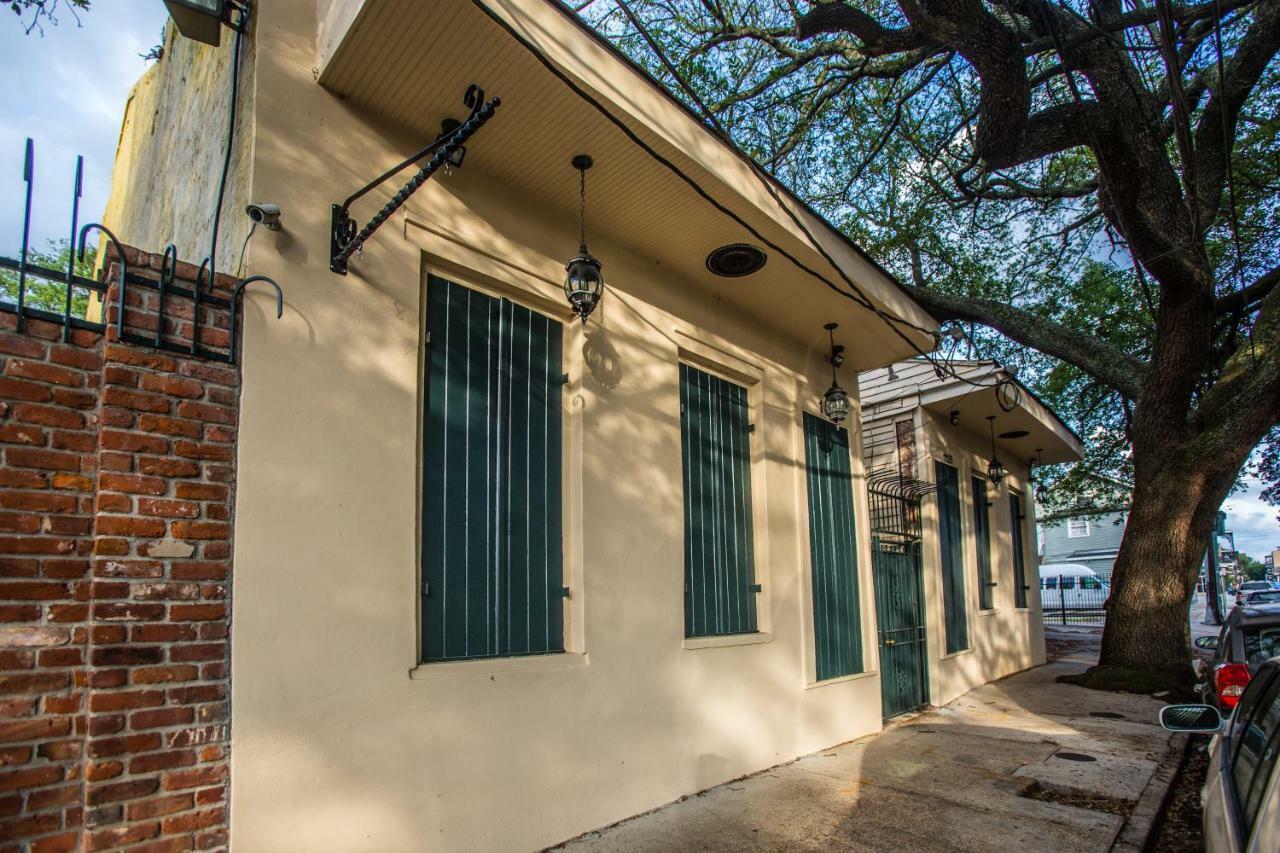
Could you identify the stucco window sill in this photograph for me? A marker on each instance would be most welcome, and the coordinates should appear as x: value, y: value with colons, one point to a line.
x: 990, y: 612
x: 857, y: 676
x: 692, y: 643
x: 967, y: 651
x: 498, y: 666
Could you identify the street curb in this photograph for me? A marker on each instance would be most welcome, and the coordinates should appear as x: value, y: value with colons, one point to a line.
x: 1135, y: 832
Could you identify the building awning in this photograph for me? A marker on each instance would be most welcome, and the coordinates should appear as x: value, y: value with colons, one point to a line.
x: 978, y: 390
x: 565, y: 90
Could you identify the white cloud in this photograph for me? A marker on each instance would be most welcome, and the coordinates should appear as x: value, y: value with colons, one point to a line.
x: 66, y: 90
x: 1253, y: 522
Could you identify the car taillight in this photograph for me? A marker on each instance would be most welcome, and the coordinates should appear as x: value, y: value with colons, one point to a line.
x: 1230, y: 680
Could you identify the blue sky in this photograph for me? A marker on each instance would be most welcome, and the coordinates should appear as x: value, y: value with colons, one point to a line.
x: 67, y: 89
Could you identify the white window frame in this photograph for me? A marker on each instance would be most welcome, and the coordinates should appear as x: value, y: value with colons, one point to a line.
x: 1073, y: 531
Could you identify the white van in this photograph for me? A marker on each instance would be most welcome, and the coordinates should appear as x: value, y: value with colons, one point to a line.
x: 1071, y: 586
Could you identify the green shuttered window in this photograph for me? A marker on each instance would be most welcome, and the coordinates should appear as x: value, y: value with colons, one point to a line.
x: 949, y: 535
x: 837, y: 631
x: 491, y: 522
x: 1019, y: 566
x: 982, y: 542
x: 719, y: 564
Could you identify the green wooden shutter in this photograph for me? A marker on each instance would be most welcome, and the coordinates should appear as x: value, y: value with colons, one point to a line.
x: 1019, y: 564
x: 837, y: 630
x: 719, y: 560
x: 491, y: 541
x: 982, y: 542
x: 949, y: 533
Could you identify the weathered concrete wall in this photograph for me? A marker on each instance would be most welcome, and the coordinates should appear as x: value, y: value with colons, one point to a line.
x: 164, y: 184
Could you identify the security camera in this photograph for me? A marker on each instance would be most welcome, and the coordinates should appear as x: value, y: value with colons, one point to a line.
x: 266, y: 215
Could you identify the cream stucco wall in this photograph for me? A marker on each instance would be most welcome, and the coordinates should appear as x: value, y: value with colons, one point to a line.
x: 340, y: 742
x: 1006, y: 638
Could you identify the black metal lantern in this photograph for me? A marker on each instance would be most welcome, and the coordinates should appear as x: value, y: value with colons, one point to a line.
x: 583, y: 281
x: 995, y: 470
x: 835, y: 402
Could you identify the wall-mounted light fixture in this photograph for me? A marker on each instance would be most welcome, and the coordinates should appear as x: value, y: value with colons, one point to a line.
x: 1042, y: 491
x: 583, y: 280
x: 954, y: 417
x: 835, y: 402
x: 995, y: 470
x: 202, y: 20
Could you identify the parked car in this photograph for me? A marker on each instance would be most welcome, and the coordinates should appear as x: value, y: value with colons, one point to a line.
x: 1250, y: 636
x: 1251, y: 586
x: 1072, y: 586
x: 1262, y: 596
x: 1241, y: 795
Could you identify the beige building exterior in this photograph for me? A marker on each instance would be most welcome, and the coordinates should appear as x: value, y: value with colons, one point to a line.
x: 342, y: 737
x: 915, y: 421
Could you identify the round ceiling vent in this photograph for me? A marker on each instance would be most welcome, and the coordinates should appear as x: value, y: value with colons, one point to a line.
x: 736, y: 259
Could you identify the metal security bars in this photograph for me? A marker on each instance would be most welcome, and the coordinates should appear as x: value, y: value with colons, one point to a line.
x: 837, y: 629
x: 492, y: 498
x: 954, y: 605
x: 31, y: 290
x: 1016, y: 522
x: 719, y: 577
x: 982, y: 541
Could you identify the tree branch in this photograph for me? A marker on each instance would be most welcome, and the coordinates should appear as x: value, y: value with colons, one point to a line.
x: 1246, y: 297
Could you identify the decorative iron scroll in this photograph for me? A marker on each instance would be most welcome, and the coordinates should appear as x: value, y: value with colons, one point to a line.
x: 345, y: 240
x: 895, y: 503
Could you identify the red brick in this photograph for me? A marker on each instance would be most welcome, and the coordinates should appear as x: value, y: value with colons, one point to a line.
x: 134, y: 442
x: 129, y: 655
x: 21, y: 389
x: 81, y: 442
x: 126, y: 700
x: 132, y: 484
x: 44, y: 372
x: 197, y: 612
x: 163, y: 632
x: 129, y: 744
x: 32, y: 777
x: 51, y: 797
x: 166, y: 592
x: 32, y: 413
x: 196, y: 777
x: 41, y: 727
x: 49, y: 460
x: 85, y: 359
x: 23, y: 479
x: 118, y: 836
x: 130, y: 612
x: 114, y: 374
x: 166, y: 760
x: 75, y: 482
x: 169, y: 426
x: 172, y: 386
x: 126, y: 354
x: 38, y: 501
x: 167, y: 467
x: 163, y: 674
x: 23, y: 434
x: 114, y: 395
x: 98, y: 771
x: 10, y: 613
x: 11, y: 660
x: 112, y: 502
x: 129, y: 568
x: 201, y: 530
x: 21, y: 345
x: 194, y: 450
x: 168, y: 508
x: 198, y: 570
x: 196, y: 820
x: 206, y: 412
x: 198, y: 652
x: 19, y: 522
x: 62, y: 843
x: 127, y: 525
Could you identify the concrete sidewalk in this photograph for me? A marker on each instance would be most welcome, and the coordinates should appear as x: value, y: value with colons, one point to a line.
x: 1024, y: 763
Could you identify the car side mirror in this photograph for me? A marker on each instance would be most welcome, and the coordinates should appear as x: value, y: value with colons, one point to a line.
x: 1191, y: 718
x: 1207, y: 643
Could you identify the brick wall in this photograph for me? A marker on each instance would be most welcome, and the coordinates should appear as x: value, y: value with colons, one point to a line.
x: 116, y: 490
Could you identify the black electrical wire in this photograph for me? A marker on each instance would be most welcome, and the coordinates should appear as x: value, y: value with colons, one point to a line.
x: 240, y: 28
x: 856, y: 297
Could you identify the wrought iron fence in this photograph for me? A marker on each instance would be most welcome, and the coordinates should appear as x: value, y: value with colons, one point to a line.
x: 1073, y: 599
x: 30, y: 288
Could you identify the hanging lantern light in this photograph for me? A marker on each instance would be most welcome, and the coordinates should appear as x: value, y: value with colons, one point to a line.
x: 1042, y: 491
x: 835, y: 402
x: 583, y: 281
x: 995, y: 470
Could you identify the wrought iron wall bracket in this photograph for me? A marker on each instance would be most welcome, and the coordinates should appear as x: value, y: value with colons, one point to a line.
x: 345, y: 239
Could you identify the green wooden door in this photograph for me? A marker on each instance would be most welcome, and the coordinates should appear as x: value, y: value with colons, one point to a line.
x: 954, y: 600
x: 904, y: 674
x: 837, y: 630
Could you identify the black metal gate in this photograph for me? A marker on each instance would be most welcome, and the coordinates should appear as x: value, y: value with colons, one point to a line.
x: 898, y: 569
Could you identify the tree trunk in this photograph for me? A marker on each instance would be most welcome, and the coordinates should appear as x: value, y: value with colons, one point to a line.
x: 1169, y: 527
